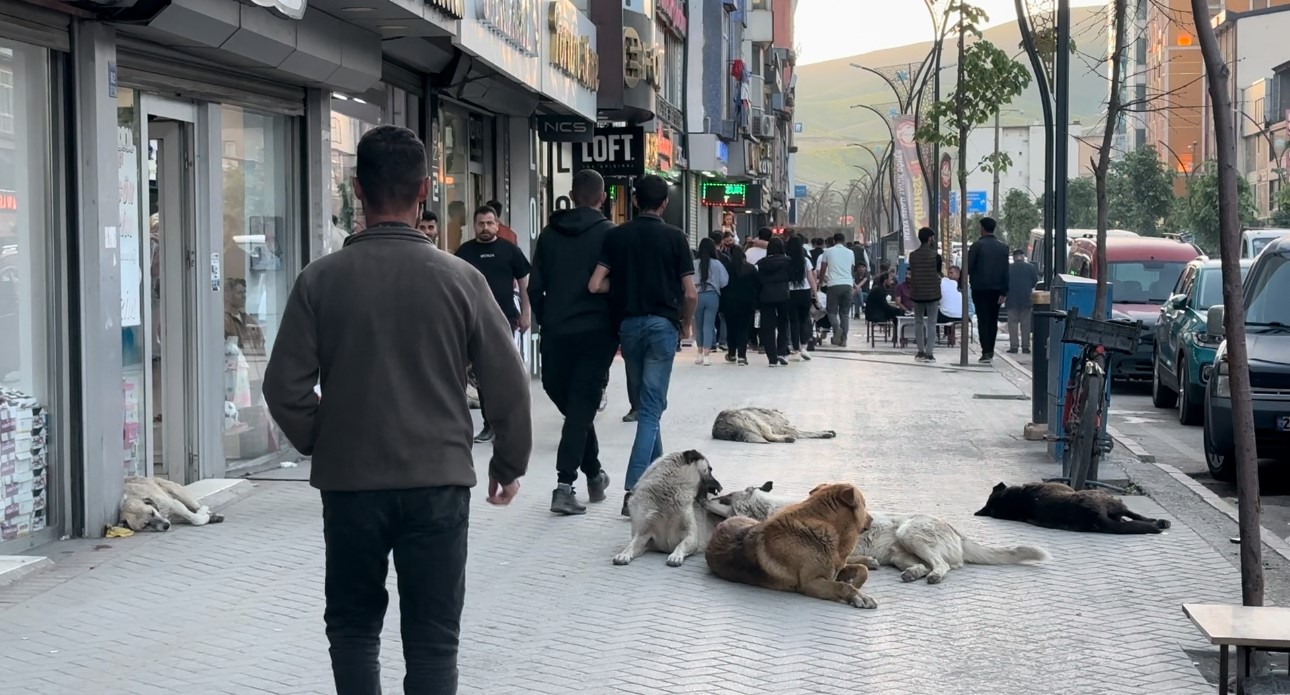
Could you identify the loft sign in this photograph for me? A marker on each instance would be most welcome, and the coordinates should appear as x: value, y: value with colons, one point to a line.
x: 673, y: 14
x: 612, y: 152
x: 513, y: 20
x: 572, y: 54
x: 455, y: 9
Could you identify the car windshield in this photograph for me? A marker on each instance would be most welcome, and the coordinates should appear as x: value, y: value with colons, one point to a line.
x: 1143, y: 282
x: 1258, y: 243
x: 1211, y: 286
x: 1268, y: 305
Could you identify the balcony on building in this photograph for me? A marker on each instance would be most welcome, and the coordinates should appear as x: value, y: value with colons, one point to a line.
x: 761, y: 22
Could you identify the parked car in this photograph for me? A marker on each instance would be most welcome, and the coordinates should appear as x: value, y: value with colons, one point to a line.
x: 1143, y: 272
x: 1254, y: 240
x: 1267, y: 341
x: 1035, y: 252
x: 1184, y: 346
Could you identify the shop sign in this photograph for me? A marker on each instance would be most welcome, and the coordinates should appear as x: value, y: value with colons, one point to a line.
x: 672, y: 12
x: 724, y: 195
x: 659, y: 151
x: 565, y: 128
x: 612, y: 152
x: 572, y: 54
x: 8, y: 201
x: 513, y: 20
x: 291, y: 9
x: 453, y: 8
x: 641, y: 63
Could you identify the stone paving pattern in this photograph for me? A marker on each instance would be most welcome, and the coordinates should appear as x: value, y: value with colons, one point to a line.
x: 237, y: 607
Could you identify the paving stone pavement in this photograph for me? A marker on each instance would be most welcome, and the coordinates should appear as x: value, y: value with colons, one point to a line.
x: 237, y: 607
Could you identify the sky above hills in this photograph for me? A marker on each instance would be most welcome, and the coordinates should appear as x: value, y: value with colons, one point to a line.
x: 831, y: 29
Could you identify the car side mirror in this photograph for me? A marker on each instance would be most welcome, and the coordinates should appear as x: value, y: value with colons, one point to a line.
x: 1214, y: 321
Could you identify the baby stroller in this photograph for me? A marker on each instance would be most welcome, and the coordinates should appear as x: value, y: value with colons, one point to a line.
x: 820, y: 318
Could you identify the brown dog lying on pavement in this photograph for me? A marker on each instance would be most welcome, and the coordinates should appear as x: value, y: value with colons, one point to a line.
x: 803, y: 547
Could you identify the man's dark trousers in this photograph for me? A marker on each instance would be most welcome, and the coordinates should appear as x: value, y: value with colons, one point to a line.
x: 987, y: 315
x: 575, y: 369
x: 425, y: 528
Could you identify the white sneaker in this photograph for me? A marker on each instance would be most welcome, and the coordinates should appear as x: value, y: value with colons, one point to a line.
x: 706, y: 361
x: 698, y: 359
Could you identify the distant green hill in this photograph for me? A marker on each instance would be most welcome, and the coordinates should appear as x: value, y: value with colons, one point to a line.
x: 826, y: 91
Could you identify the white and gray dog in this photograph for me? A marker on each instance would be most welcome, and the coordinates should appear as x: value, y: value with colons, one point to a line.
x: 920, y: 545
x: 152, y: 503
x: 760, y: 426
x: 665, y: 508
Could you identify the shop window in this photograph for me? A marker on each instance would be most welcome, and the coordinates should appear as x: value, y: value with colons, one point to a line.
x: 455, y: 180
x: 351, y: 118
x: 258, y: 274
x: 25, y: 170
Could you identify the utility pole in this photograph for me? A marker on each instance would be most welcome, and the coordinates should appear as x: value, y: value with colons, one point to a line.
x: 994, y: 199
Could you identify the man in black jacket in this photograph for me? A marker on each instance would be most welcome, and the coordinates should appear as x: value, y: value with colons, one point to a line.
x: 925, y: 288
x: 386, y: 327
x: 578, y: 336
x: 987, y: 263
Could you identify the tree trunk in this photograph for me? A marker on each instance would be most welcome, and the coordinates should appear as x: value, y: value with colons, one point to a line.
x: 1229, y: 218
x: 1114, y: 105
x: 961, y: 119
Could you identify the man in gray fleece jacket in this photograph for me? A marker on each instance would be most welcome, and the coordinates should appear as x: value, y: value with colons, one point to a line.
x: 387, y: 326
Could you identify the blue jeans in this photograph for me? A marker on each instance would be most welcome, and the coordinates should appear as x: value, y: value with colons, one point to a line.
x: 705, y: 319
x: 649, y: 348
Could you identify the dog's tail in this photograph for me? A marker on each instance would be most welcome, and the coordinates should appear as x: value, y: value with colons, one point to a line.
x: 978, y: 554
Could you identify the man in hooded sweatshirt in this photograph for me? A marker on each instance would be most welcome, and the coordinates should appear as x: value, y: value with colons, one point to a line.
x: 578, y: 336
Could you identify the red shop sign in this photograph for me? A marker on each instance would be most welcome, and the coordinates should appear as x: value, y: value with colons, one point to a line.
x: 8, y: 201
x: 673, y: 13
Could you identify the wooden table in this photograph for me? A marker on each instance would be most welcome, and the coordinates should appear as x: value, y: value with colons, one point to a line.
x: 1265, y: 628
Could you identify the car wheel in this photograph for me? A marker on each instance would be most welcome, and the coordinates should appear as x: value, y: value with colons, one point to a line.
x: 1189, y: 411
x: 1161, y: 396
x: 1221, y: 463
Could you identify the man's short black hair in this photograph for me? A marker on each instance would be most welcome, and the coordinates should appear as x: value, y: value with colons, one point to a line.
x: 429, y: 216
x: 651, y: 192
x: 988, y: 224
x: 817, y: 241
x: 484, y: 210
x: 588, y: 186
x: 926, y: 235
x: 496, y: 206
x: 765, y: 233
x: 839, y: 238
x: 391, y: 168
x: 1019, y: 252
x: 715, y: 235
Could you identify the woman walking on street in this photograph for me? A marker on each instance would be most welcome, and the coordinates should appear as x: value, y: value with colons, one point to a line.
x: 710, y: 277
x: 738, y: 303
x: 801, y: 294
x: 773, y: 276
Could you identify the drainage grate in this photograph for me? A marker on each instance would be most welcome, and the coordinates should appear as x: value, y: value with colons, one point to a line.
x: 1001, y: 397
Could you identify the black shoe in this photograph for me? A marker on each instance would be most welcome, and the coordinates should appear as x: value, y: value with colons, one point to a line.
x: 920, y: 357
x: 1025, y: 351
x: 984, y: 359
x: 730, y: 358
x: 565, y: 501
x: 1012, y: 351
x: 485, y: 435
x: 743, y: 361
x: 596, y: 487
x: 626, y: 498
x: 929, y: 358
x: 630, y: 416
x: 782, y: 362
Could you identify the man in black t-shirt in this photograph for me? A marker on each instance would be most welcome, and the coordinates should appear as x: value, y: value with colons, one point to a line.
x: 648, y: 271
x: 503, y: 265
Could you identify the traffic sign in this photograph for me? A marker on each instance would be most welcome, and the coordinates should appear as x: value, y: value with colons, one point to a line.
x: 954, y: 203
x: 799, y: 191
x: 977, y: 203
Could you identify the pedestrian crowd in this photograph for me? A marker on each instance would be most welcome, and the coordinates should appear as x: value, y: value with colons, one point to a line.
x: 379, y: 341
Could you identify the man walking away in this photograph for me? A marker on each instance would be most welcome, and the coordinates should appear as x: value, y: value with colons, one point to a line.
x: 578, y: 336
x: 835, y: 274
x: 1022, y: 278
x: 817, y: 250
x: 503, y: 265
x: 988, y: 278
x: 389, y: 324
x: 648, y: 270
x: 925, y: 290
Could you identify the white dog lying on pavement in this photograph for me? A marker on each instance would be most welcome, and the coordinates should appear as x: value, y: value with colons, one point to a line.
x: 920, y: 545
x: 151, y: 503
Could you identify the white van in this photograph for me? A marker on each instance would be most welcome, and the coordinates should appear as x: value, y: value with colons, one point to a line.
x: 1036, y: 250
x: 1253, y: 240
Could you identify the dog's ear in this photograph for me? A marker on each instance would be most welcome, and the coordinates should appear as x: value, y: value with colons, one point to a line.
x: 849, y: 496
x: 817, y: 488
x: 692, y: 456
x: 148, y: 501
x: 766, y: 486
x: 1000, y: 487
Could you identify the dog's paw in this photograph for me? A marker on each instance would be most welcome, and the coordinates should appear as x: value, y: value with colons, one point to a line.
x: 830, y: 434
x: 217, y: 518
x: 862, y: 601
x: 935, y: 578
x: 870, y: 562
x: 1162, y: 524
x: 622, y: 559
x: 913, y: 574
x: 675, y: 560
x: 790, y: 440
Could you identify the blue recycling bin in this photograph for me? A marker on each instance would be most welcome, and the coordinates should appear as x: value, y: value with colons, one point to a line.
x: 1068, y: 292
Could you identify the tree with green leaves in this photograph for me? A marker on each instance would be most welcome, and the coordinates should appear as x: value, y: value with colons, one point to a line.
x: 1280, y: 217
x: 1141, y: 191
x: 1020, y: 215
x: 987, y: 80
x: 1081, y: 204
x: 1200, y: 208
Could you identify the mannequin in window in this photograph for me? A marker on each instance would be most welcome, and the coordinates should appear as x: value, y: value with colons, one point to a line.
x: 238, y: 323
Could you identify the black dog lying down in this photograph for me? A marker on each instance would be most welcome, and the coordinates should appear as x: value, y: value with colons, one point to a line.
x: 1057, y: 506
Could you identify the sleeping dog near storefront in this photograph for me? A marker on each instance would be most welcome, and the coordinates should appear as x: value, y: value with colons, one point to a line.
x: 150, y: 504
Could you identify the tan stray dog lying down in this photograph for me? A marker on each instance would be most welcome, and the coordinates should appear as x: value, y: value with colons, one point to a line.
x: 803, y: 547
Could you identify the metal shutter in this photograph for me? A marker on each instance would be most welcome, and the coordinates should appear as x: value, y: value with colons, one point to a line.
x: 35, y: 25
